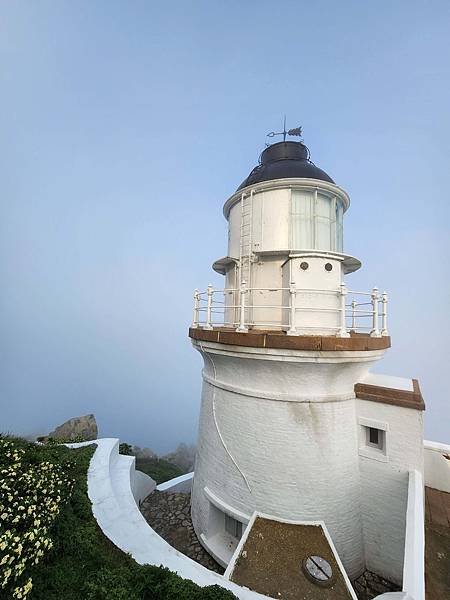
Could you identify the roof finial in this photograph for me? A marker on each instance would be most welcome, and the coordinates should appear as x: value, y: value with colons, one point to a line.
x: 294, y: 132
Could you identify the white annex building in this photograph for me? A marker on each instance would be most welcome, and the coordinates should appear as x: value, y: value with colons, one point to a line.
x: 312, y: 478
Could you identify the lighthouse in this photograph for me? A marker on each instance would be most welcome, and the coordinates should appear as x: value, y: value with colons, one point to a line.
x: 293, y: 423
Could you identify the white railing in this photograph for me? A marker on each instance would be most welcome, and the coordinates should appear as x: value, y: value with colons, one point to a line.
x: 298, y: 311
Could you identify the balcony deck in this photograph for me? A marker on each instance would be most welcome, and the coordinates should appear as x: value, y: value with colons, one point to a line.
x: 258, y: 338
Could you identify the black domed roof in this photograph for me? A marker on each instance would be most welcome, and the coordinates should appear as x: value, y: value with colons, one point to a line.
x: 285, y: 160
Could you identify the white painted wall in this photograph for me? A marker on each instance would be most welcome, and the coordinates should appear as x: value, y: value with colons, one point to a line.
x: 141, y: 484
x: 270, y: 306
x: 234, y: 230
x: 271, y: 222
x: 318, y: 312
x: 384, y: 483
x: 389, y: 381
x: 278, y: 434
x: 437, y: 465
x: 266, y: 269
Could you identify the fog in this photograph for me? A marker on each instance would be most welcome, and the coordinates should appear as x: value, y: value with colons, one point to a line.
x: 126, y: 126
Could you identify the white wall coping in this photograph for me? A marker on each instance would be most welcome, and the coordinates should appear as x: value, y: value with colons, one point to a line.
x: 226, y: 508
x: 436, y: 446
x: 110, y: 491
x: 177, y: 483
x: 393, y: 596
x: 389, y: 381
x: 256, y: 514
x: 414, y: 561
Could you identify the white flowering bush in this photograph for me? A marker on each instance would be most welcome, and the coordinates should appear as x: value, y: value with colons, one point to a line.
x: 32, y: 492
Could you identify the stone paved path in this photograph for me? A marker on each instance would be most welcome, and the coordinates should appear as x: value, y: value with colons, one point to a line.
x: 369, y: 586
x: 169, y: 514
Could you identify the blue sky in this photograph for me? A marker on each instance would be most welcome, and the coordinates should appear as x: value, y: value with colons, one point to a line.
x: 124, y: 128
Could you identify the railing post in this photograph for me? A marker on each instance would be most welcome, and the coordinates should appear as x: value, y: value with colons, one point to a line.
x: 196, y: 309
x: 292, y: 298
x: 375, y: 331
x: 384, y: 301
x: 343, y: 333
x: 242, y: 291
x: 354, y: 304
x: 209, y: 292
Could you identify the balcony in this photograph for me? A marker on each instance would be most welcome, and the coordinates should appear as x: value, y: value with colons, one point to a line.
x: 294, y: 311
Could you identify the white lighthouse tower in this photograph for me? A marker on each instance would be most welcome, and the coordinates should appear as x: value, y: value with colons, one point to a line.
x: 287, y: 426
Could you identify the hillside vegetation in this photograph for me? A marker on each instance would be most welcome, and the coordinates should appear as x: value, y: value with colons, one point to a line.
x: 159, y: 469
x: 51, y: 547
x: 148, y: 462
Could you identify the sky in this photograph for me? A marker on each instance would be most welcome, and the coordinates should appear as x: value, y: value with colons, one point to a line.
x: 124, y: 128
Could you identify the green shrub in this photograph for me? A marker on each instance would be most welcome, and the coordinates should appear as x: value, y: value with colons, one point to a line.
x: 126, y: 449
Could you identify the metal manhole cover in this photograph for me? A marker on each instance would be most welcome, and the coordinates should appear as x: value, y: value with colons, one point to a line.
x: 318, y: 570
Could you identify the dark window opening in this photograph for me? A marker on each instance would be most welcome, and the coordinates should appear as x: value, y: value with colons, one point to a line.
x: 374, y: 436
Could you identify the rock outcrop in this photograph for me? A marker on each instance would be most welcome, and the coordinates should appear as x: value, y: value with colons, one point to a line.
x: 143, y: 452
x: 79, y: 428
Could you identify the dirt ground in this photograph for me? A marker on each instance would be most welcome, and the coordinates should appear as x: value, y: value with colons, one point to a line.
x: 271, y: 562
x: 437, y: 545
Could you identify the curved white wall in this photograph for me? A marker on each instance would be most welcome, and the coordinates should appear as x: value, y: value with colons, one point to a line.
x: 278, y: 434
x: 110, y: 491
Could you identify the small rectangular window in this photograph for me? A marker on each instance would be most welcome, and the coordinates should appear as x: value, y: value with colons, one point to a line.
x: 375, y: 438
x: 373, y: 435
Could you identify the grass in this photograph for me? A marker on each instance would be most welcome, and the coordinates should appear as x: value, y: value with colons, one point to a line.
x: 83, y: 564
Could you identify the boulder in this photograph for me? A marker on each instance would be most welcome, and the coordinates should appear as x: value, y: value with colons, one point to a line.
x: 82, y: 428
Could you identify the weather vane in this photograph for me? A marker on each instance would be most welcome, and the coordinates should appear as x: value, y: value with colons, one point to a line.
x: 297, y: 131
